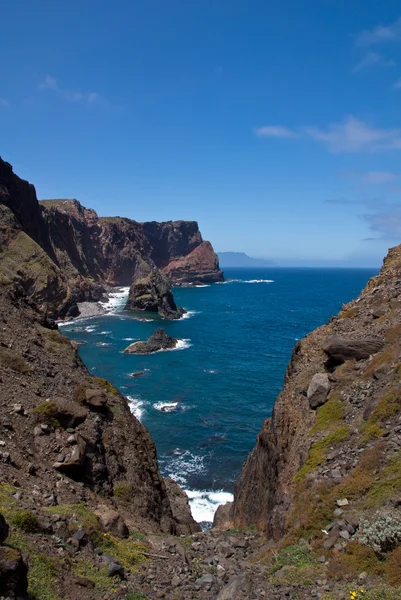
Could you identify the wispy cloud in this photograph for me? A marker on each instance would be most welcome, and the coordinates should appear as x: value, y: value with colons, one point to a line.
x: 4, y: 103
x: 378, y: 177
x: 353, y: 135
x: 386, y: 222
x: 275, y: 131
x: 397, y: 84
x: 50, y: 83
x: 373, y: 59
x: 380, y: 34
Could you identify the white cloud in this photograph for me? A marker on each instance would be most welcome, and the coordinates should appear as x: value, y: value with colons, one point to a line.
x: 4, y: 103
x: 353, y: 135
x: 387, y: 222
x: 276, y: 131
x: 380, y: 34
x: 50, y: 83
x: 350, y: 135
x: 373, y: 59
x: 378, y: 177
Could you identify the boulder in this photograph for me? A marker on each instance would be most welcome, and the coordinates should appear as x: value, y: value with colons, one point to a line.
x: 13, y: 573
x: 76, y: 459
x: 113, y: 522
x: 96, y: 399
x: 159, y: 340
x: 318, y: 390
x: 241, y: 584
x: 185, y: 523
x: 223, y: 517
x: 68, y: 413
x: 152, y: 293
x: 340, y: 349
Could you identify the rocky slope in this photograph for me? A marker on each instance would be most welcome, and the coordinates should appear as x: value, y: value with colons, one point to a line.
x: 62, y: 253
x: 326, y: 466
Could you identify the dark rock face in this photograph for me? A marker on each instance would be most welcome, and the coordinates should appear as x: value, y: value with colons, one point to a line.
x: 199, y: 267
x: 339, y: 349
x: 62, y: 253
x: 13, y: 569
x: 152, y: 293
x: 159, y: 340
x: 4, y: 529
x: 180, y: 508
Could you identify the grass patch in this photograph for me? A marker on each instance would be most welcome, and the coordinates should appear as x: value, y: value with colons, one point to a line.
x: 393, y: 334
x: 123, y: 492
x: 107, y: 386
x: 84, y: 568
x: 348, y: 313
x: 356, y: 484
x: 318, y: 451
x: 353, y: 561
x: 297, y: 555
x: 330, y: 413
x: 13, y: 361
x: 386, y: 357
x: 25, y: 520
x: 126, y: 551
x: 388, y: 485
x: 81, y: 517
x: 388, y: 406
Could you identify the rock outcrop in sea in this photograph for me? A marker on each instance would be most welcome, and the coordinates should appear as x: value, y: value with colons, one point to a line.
x: 152, y: 293
x: 159, y: 340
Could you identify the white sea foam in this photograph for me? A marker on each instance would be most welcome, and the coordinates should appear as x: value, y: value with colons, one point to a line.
x: 128, y: 339
x: 182, y: 464
x: 137, y: 406
x: 259, y: 281
x: 90, y: 329
x: 104, y: 333
x: 166, y: 406
x: 190, y: 313
x: 116, y: 300
x: 202, y: 285
x: 204, y: 504
x: 103, y: 344
x: 181, y: 345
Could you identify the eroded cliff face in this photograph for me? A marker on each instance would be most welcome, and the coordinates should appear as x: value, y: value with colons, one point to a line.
x: 63, y: 253
x: 334, y: 431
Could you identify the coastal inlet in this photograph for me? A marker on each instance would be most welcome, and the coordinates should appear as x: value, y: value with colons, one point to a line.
x: 204, y: 400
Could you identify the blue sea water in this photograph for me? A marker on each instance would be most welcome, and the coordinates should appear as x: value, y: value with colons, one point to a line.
x: 219, y: 385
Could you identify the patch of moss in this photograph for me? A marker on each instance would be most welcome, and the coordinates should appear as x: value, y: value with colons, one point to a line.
x: 79, y: 394
x: 25, y: 520
x: 348, y: 313
x: 318, y: 451
x: 388, y: 485
x: 393, y: 567
x: 13, y: 361
x: 353, y: 561
x: 46, y: 409
x: 313, y: 509
x: 43, y: 572
x: 107, y: 386
x: 295, y: 555
x: 128, y: 552
x: 388, y: 406
x: 81, y: 517
x: 393, y: 334
x: 356, y: 484
x: 382, y: 593
x: 330, y: 413
x: 122, y: 491
x: 386, y: 357
x: 99, y: 577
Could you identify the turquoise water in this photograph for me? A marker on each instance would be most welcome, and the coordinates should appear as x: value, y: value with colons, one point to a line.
x: 221, y: 383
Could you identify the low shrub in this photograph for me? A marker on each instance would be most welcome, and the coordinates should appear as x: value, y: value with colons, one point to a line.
x: 317, y: 453
x: 13, y: 361
x: 25, y: 520
x: 122, y: 491
x: 381, y: 531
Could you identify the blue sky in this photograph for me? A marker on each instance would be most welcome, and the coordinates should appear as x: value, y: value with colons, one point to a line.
x: 275, y: 124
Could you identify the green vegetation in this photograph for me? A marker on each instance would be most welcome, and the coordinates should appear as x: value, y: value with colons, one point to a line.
x: 107, y: 386
x: 13, y: 361
x: 298, y: 563
x: 122, y: 491
x: 318, y: 451
x: 128, y: 552
x: 25, y: 520
x: 46, y: 410
x: 353, y: 561
x: 81, y: 517
x: 330, y: 413
x: 99, y: 577
x: 348, y: 313
x: 388, y: 406
x: 388, y: 485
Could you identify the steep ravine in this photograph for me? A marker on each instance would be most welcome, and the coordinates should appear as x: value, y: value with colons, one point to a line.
x: 316, y: 512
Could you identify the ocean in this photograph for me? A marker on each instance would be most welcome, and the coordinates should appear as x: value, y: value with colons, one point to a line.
x: 205, y: 401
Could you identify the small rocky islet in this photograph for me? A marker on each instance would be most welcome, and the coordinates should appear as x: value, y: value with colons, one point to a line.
x: 159, y: 340
x: 84, y: 509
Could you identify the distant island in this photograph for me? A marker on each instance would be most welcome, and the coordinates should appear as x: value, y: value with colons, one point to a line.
x: 240, y: 259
